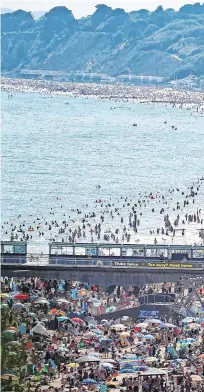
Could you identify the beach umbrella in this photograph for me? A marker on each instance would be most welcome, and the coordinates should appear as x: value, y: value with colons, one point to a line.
x: 8, y: 335
x: 127, y: 371
x: 9, y: 375
x: 168, y: 325
x: 33, y: 296
x: 62, y: 301
x: 142, y: 325
x: 4, y: 295
x: 118, y: 327
x: 196, y: 378
x: 104, y: 322
x: 62, y: 349
x: 62, y: 318
x: 40, y: 329
x: 9, y: 331
x: 22, y: 328
x: 129, y: 356
x: 13, y: 293
x: 89, y: 381
x: 31, y: 314
x: 18, y: 306
x: 111, y: 309
x: 14, y: 329
x: 125, y: 335
x: 42, y: 302
x: 188, y: 340
x: 153, y: 321
x: 110, y: 360
x: 98, y: 332
x: 194, y: 326
x: 148, y: 337
x: 108, y: 365
x: 89, y: 318
x: 151, y: 359
x: 178, y: 360
x: 77, y: 320
x: 126, y: 366
x: 21, y: 296
x: 90, y: 335
x: 187, y: 320
x: 105, y: 340
x: 141, y: 368
x: 88, y: 358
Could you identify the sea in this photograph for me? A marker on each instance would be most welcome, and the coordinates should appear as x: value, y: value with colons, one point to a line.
x: 57, y: 150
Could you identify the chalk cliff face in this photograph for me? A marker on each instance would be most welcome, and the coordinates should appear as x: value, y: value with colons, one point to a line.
x: 162, y: 43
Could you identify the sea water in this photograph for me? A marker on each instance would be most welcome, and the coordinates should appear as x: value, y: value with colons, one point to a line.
x: 62, y: 147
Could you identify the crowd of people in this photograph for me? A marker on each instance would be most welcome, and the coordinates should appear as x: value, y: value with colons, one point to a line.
x: 192, y: 100
x: 176, y: 215
x: 69, y: 349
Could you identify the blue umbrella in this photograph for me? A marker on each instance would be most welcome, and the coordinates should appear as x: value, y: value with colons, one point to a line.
x: 126, y: 366
x: 177, y: 360
x: 62, y: 318
x: 89, y: 381
x: 33, y: 296
x: 148, y: 337
x: 127, y: 371
x: 98, y: 332
x: 188, y: 340
x: 104, y: 340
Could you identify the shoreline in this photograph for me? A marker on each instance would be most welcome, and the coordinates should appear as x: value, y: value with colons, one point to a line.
x: 119, y: 92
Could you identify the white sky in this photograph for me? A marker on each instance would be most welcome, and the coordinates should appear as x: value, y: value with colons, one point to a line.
x: 86, y: 7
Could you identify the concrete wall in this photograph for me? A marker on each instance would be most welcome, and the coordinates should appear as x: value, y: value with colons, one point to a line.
x: 102, y: 276
x: 134, y: 312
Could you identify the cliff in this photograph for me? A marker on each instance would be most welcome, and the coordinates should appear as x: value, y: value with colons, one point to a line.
x: 162, y: 43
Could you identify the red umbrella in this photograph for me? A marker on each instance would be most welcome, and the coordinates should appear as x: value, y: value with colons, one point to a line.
x: 77, y: 320
x: 21, y: 296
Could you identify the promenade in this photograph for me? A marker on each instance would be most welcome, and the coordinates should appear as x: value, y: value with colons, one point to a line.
x: 106, y: 276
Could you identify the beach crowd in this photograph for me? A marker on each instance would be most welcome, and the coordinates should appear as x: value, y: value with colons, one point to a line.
x: 191, y: 100
x: 174, y: 216
x: 69, y: 349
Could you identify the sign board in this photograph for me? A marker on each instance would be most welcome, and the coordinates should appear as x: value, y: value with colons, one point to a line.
x: 169, y: 265
x: 148, y: 313
x: 154, y: 265
x: 126, y: 264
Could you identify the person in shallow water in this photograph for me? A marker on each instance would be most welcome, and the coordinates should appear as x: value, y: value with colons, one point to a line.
x: 122, y: 215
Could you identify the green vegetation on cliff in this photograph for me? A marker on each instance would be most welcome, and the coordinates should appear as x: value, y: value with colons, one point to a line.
x: 162, y: 43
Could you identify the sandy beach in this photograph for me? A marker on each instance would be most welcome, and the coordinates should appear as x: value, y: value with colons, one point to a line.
x: 131, y: 93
